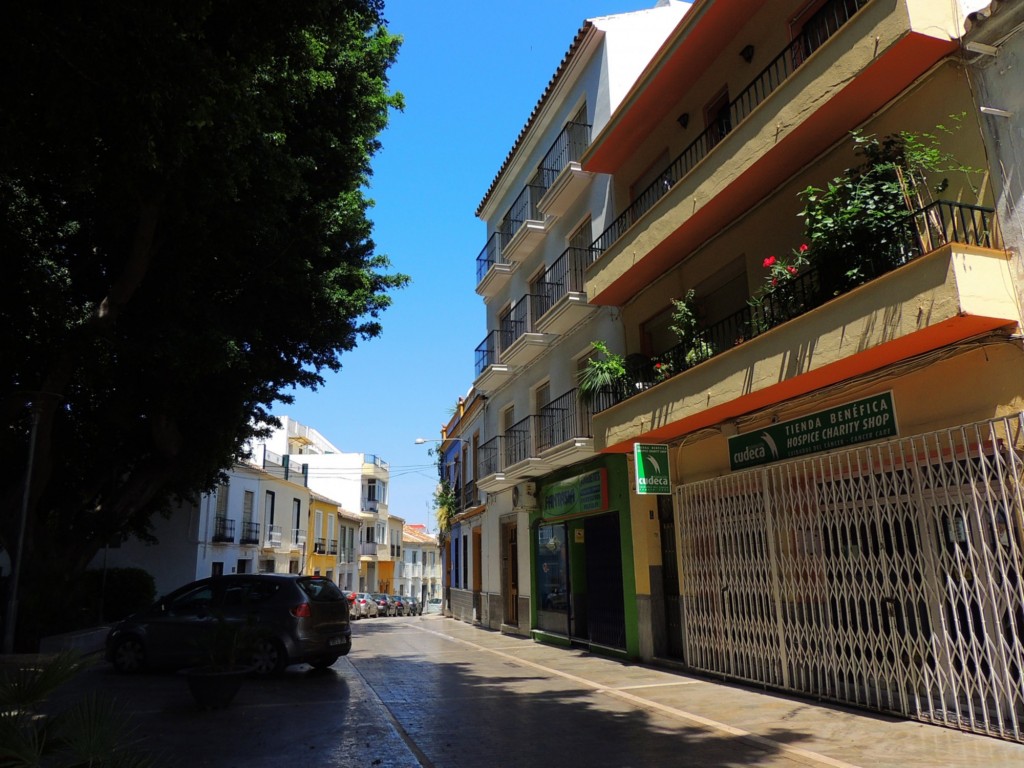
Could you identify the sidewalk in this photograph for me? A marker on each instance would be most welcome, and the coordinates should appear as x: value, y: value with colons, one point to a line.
x: 805, y: 731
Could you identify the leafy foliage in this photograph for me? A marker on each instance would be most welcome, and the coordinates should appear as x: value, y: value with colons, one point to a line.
x: 601, y: 373
x: 184, y: 227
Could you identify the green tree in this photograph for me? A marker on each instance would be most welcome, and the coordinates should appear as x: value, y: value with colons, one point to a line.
x: 185, y: 238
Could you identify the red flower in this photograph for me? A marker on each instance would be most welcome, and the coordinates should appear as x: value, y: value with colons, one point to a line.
x: 805, y: 248
x: 657, y: 366
x: 768, y: 262
x: 775, y: 281
x: 791, y: 270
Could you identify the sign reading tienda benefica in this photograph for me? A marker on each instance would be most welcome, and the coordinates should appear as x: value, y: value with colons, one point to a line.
x: 652, y: 470
x: 871, y: 418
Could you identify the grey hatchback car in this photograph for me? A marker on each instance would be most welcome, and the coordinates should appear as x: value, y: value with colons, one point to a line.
x: 293, y: 619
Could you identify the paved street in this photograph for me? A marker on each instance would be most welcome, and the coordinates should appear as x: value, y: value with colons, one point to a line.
x: 438, y: 693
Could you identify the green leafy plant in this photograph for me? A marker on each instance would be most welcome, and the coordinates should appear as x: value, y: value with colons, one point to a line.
x: 777, y: 299
x: 853, y: 223
x: 664, y: 368
x: 601, y: 373
x: 686, y: 327
x: 87, y: 731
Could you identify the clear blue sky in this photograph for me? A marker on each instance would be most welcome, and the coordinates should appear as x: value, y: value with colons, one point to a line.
x: 471, y: 73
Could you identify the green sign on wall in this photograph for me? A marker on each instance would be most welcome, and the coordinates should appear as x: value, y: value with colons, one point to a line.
x: 580, y: 493
x: 652, y: 469
x: 871, y: 418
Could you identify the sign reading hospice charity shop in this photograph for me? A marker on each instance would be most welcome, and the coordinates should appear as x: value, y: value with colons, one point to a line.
x: 869, y: 419
x: 651, y: 469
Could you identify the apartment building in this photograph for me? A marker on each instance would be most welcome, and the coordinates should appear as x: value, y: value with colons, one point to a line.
x: 824, y: 326
x: 522, y: 420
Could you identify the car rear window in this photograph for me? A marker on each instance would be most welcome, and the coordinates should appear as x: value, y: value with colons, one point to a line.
x: 321, y: 590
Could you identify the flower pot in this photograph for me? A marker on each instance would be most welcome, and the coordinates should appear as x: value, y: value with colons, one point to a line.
x: 214, y: 688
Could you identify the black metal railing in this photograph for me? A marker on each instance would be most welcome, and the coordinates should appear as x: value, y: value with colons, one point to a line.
x: 518, y: 319
x: 487, y: 351
x: 470, y: 496
x: 920, y: 232
x: 564, y: 418
x: 564, y: 276
x: 332, y: 548
x: 320, y: 547
x: 567, y: 147
x: 250, y: 533
x: 224, y: 529
x: 491, y: 454
x: 519, y: 442
x: 523, y: 209
x: 826, y: 22
x: 490, y: 255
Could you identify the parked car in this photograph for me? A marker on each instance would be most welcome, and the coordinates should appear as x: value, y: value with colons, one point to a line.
x: 289, y: 619
x: 433, y: 605
x: 365, y: 606
x: 385, y: 605
x: 413, y: 606
x: 400, y: 607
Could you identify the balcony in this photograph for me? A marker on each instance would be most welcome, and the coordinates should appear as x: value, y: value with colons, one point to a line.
x: 492, y: 466
x: 250, y: 533
x: 368, y: 550
x: 938, y: 281
x: 809, y: 96
x: 274, y: 537
x: 491, y: 373
x: 492, y: 270
x: 524, y: 226
x: 564, y: 434
x: 561, y: 172
x: 320, y: 547
x: 298, y: 538
x: 520, y: 343
x: 332, y: 548
x: 346, y: 555
x: 468, y: 496
x: 223, y: 530
x: 563, y: 301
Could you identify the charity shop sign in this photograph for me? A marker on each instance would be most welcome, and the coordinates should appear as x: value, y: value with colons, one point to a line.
x: 871, y: 418
x: 651, y: 462
x: 573, y: 495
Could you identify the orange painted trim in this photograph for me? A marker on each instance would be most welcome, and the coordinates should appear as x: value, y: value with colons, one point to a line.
x: 940, y: 335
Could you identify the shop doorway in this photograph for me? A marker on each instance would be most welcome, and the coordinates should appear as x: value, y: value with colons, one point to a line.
x: 510, y: 573
x: 603, y: 622
x: 670, y: 578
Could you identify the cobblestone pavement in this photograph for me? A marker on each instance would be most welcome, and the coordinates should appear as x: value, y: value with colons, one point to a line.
x: 432, y: 692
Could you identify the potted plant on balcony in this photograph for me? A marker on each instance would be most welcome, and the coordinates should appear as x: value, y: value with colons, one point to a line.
x: 215, y: 683
x: 687, y: 329
x: 601, y: 374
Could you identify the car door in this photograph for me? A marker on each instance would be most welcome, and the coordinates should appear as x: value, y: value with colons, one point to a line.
x: 180, y: 625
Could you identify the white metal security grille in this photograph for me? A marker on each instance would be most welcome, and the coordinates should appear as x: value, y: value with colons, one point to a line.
x: 889, y: 576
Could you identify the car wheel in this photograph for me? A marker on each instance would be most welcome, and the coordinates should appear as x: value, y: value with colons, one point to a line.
x: 323, y: 663
x: 128, y: 655
x: 268, y: 656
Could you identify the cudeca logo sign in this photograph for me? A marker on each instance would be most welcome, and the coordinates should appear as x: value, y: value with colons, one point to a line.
x: 652, y: 469
x: 871, y: 418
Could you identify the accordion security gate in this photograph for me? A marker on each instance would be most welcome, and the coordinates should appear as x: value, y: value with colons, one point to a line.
x: 889, y: 576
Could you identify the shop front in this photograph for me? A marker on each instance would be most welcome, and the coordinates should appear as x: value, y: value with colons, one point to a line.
x: 582, y: 560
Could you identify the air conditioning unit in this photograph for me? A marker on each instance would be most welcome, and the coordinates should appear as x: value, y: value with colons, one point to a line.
x: 524, y: 496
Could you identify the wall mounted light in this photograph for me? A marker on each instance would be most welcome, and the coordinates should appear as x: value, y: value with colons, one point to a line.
x: 747, y: 53
x: 683, y: 119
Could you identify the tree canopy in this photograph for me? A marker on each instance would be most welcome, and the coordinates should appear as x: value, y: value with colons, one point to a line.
x: 184, y: 231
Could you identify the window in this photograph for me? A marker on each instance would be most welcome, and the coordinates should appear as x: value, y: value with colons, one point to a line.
x: 268, y: 507
x: 296, y: 514
x: 541, y: 396
x: 222, y: 500
x: 217, y: 568
x: 248, y: 503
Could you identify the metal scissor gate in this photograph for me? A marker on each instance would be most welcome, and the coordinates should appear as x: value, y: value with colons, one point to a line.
x: 889, y: 576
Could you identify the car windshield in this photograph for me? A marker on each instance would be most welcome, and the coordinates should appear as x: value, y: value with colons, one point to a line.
x: 321, y: 590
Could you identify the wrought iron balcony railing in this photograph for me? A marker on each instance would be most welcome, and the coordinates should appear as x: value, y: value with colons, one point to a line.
x: 561, y: 420
x: 491, y: 456
x: 568, y: 147
x: 320, y: 547
x: 920, y: 232
x: 250, y: 533
x: 224, y: 530
x: 823, y: 25
x: 564, y: 276
x: 488, y: 351
x: 519, y: 319
x: 490, y: 255
x: 332, y: 547
x: 519, y: 442
x: 523, y: 209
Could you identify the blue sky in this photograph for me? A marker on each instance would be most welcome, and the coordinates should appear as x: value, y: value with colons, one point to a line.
x: 471, y: 73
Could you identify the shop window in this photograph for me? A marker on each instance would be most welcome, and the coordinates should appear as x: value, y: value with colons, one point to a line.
x: 552, y: 575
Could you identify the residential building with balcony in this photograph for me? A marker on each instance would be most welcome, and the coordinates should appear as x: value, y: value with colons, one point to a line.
x: 253, y: 521
x: 418, y: 573
x: 838, y: 389
x: 359, y: 484
x: 524, y: 425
